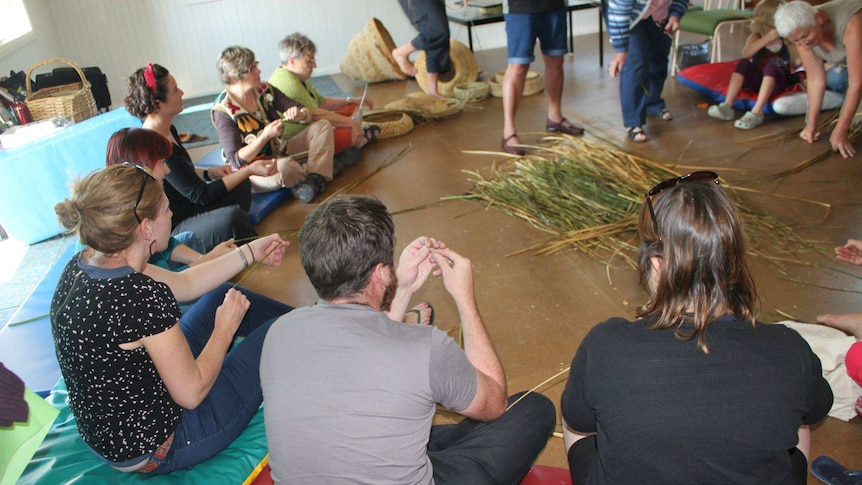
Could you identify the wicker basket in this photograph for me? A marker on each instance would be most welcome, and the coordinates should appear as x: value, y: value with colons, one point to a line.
x: 391, y: 123
x: 471, y: 92
x: 69, y: 100
x: 369, y: 55
x: 464, y: 69
x: 532, y: 85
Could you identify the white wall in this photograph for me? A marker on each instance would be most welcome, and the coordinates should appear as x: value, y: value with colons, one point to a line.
x: 186, y: 36
x: 41, y: 44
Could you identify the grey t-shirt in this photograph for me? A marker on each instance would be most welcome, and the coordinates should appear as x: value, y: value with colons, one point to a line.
x: 350, y: 395
x: 840, y: 12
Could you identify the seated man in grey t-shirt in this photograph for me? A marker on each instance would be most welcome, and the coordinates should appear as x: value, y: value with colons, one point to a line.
x: 351, y: 392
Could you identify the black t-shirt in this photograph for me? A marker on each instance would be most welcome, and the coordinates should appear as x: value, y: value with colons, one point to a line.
x: 665, y: 412
x: 188, y: 195
x: 121, y: 405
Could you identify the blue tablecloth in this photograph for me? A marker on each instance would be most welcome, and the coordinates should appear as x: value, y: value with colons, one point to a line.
x: 36, y: 176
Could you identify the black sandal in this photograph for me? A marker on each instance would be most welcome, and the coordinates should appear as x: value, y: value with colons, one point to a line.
x: 636, y: 134
x: 371, y: 132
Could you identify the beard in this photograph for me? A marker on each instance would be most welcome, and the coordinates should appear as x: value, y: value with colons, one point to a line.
x: 389, y: 293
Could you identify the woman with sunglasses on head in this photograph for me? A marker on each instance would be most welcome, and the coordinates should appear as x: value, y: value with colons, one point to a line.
x: 694, y: 390
x: 211, y: 203
x: 152, y: 391
x: 829, y: 33
x: 249, y: 116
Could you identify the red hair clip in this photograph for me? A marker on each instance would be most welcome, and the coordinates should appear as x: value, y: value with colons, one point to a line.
x: 150, y: 77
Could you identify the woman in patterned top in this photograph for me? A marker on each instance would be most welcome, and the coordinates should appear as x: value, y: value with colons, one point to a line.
x: 249, y: 116
x: 152, y: 391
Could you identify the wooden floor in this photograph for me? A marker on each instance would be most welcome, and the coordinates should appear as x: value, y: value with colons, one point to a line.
x: 538, y: 308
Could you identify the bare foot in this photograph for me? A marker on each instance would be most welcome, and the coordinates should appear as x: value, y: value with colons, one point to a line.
x: 422, y: 313
x: 850, y: 322
x: 404, y: 63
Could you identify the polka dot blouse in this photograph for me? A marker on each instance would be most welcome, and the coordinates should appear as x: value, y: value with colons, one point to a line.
x: 121, y: 405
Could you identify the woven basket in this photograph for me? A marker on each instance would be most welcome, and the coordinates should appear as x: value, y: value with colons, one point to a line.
x: 533, y: 85
x: 369, y: 55
x: 68, y: 100
x: 391, y: 123
x: 426, y: 107
x: 464, y: 69
x: 470, y: 92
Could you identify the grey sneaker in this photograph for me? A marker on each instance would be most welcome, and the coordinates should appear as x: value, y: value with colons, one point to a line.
x: 721, y: 111
x: 306, y: 191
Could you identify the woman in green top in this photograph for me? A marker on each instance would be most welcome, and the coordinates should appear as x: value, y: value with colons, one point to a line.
x: 292, y: 78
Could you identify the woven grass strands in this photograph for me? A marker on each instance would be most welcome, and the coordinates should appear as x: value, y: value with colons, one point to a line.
x: 586, y: 195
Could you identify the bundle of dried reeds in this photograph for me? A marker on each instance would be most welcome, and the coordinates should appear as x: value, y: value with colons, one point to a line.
x: 587, y: 195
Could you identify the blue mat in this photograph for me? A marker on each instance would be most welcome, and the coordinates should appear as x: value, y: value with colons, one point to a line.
x: 261, y: 204
x: 26, y: 343
x: 64, y: 458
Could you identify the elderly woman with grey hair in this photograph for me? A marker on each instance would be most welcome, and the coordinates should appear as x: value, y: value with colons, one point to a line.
x: 249, y: 116
x: 829, y: 33
x: 297, y: 53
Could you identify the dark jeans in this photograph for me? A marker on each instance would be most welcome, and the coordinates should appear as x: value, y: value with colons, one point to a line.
x: 218, y: 225
x: 644, y: 72
x: 236, y: 395
x: 500, y: 451
x: 429, y: 18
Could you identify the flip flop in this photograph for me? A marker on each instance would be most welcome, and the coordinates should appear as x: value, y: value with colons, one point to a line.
x: 418, y: 313
x: 830, y: 471
x: 371, y: 132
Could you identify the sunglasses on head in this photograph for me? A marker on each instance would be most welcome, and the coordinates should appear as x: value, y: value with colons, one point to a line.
x: 670, y: 183
x: 147, y: 176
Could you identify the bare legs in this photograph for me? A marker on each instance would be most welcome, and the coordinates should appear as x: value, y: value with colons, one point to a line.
x: 850, y: 323
x: 513, y: 90
x: 554, y: 86
x: 766, y: 88
x: 401, y: 54
x: 733, y: 88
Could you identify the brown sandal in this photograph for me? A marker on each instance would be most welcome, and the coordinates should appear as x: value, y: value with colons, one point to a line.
x: 512, y: 150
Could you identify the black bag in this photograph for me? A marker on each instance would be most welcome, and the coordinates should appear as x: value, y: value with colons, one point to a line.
x: 16, y: 85
x: 67, y: 75
x: 692, y: 54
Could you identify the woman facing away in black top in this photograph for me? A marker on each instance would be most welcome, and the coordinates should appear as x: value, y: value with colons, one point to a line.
x: 694, y: 390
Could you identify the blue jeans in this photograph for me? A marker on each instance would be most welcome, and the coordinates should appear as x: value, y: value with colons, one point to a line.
x: 644, y: 72
x: 523, y: 29
x: 500, y: 451
x: 836, y: 78
x: 236, y: 395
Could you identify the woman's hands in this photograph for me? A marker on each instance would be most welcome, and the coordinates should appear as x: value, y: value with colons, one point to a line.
x: 272, y: 129
x: 850, y: 252
x: 230, y: 313
x: 216, y: 173
x: 297, y: 114
x: 616, y: 64
x: 263, y: 167
x: 269, y: 250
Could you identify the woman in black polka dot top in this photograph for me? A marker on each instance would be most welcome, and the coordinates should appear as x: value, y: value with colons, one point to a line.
x: 152, y: 390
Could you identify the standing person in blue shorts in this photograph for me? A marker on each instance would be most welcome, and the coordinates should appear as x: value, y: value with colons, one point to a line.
x: 640, y: 31
x: 526, y: 21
